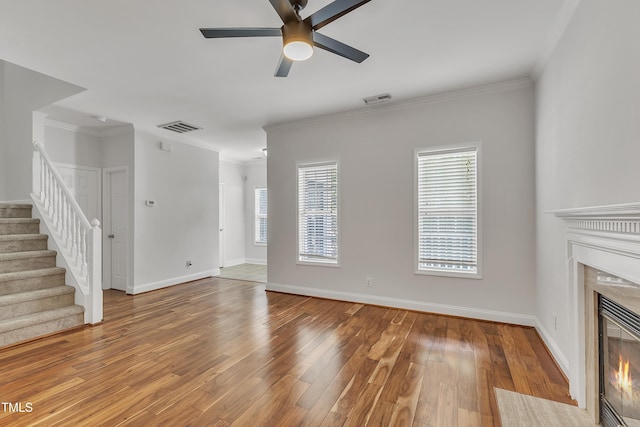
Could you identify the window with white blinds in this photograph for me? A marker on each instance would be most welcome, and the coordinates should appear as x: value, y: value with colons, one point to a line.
x: 447, y: 212
x: 318, y: 213
x: 260, y: 230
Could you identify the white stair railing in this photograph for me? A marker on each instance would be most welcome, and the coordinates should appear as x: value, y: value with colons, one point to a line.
x: 78, y: 240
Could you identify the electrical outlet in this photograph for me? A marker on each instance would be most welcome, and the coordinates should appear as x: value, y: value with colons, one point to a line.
x: 368, y: 282
x: 189, y: 264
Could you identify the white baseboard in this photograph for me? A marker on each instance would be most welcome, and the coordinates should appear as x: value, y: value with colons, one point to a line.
x: 560, y: 358
x: 240, y: 261
x: 147, y: 287
x: 234, y: 262
x: 474, y: 313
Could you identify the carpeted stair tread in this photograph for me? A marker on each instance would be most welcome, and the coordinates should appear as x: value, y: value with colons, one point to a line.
x: 6, y: 300
x: 15, y: 210
x: 19, y: 221
x: 31, y: 280
x: 11, y: 243
x: 15, y: 206
x: 8, y: 277
x: 39, y: 318
x: 26, y: 255
x: 9, y: 237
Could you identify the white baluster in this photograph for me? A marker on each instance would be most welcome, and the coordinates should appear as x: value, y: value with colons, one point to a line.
x: 47, y: 203
x: 42, y: 178
x: 78, y: 252
x: 59, y: 211
x: 65, y: 219
x: 69, y: 231
x: 83, y: 250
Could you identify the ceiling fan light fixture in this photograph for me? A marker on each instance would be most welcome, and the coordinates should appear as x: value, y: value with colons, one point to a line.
x: 298, y: 41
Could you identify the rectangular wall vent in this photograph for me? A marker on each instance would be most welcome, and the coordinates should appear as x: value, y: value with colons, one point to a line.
x: 179, y: 126
x: 377, y: 99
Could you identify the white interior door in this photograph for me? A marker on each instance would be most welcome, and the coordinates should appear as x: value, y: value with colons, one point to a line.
x: 221, y: 220
x: 84, y: 184
x: 116, y: 228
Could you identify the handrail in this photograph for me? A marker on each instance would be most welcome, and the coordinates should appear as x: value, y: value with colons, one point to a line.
x: 81, y: 216
x: 77, y: 240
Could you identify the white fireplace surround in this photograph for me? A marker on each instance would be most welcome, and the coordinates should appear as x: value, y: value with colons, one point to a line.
x: 606, y: 238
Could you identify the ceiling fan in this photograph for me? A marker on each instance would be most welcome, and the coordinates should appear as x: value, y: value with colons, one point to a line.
x: 299, y: 35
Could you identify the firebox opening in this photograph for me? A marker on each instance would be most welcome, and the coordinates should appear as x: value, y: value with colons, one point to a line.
x: 619, y: 363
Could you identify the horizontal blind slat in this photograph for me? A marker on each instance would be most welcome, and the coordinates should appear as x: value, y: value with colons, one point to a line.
x: 447, y: 210
x: 317, y: 213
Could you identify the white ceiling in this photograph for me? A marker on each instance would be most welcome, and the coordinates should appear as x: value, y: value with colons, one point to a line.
x: 145, y: 62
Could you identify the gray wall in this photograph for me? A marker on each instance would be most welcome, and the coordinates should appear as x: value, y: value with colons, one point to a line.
x: 375, y: 149
x: 184, y: 223
x: 24, y: 92
x: 587, y: 149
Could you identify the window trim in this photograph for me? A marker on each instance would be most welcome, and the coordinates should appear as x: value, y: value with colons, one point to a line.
x: 477, y: 146
x: 255, y: 216
x: 303, y: 164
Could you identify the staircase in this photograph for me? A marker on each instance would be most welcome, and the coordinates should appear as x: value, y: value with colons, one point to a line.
x: 34, y: 300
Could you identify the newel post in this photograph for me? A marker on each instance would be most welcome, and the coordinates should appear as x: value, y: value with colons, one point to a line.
x: 95, y: 271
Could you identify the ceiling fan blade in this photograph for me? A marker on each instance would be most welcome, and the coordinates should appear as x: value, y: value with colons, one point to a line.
x: 285, y: 10
x: 333, y: 11
x: 216, y: 33
x: 339, y: 48
x: 283, y: 67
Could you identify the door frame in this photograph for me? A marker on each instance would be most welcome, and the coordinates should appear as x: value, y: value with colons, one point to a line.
x: 106, y: 215
x: 222, y: 203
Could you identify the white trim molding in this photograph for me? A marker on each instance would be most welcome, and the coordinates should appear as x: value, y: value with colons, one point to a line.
x: 146, y: 287
x: 425, y: 307
x: 606, y: 238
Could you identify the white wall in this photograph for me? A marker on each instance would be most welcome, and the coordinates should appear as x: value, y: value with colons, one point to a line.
x: 72, y: 146
x: 232, y: 177
x: 184, y: 223
x: 375, y: 149
x: 587, y: 149
x: 256, y: 174
x: 24, y: 92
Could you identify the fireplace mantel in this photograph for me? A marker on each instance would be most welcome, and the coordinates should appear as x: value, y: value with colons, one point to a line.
x: 606, y: 238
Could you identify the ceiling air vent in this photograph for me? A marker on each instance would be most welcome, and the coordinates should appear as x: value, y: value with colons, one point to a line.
x: 179, y: 127
x: 377, y: 99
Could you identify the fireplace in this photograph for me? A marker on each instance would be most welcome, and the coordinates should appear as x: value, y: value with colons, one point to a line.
x: 619, y: 364
x: 603, y: 259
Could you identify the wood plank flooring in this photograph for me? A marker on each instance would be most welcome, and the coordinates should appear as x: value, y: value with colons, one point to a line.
x: 219, y: 352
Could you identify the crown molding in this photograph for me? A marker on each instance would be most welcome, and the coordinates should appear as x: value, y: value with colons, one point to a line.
x: 62, y: 125
x: 626, y: 210
x: 97, y: 132
x: 406, y: 104
x: 555, y: 35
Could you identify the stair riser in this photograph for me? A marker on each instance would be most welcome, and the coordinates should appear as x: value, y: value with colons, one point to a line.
x: 28, y: 228
x: 31, y: 284
x: 26, y: 264
x: 33, y: 331
x: 23, y: 246
x: 35, y: 306
x: 15, y: 212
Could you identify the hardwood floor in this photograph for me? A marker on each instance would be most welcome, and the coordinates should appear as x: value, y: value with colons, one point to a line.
x: 221, y: 352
